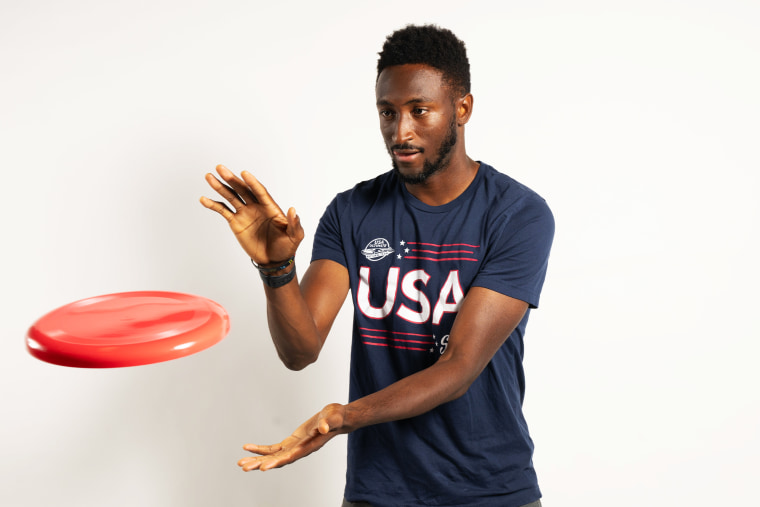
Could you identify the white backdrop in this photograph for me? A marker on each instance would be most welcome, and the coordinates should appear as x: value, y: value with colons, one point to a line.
x: 637, y: 121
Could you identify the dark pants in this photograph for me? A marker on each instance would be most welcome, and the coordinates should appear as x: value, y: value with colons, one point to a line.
x: 346, y: 503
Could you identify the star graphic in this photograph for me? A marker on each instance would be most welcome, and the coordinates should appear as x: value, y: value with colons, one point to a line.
x: 406, y: 250
x: 402, y: 243
x: 399, y: 256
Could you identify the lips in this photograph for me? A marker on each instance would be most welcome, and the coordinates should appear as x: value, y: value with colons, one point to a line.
x: 406, y: 154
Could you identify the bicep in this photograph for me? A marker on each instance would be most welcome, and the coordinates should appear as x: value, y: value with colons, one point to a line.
x: 484, y: 322
x: 324, y: 288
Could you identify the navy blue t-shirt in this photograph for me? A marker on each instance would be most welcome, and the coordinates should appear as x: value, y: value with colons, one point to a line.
x: 410, y: 267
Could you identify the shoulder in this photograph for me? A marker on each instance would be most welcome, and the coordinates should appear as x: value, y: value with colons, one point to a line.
x: 366, y: 192
x: 508, y: 197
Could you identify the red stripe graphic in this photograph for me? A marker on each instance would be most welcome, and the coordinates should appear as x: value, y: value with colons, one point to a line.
x: 443, y: 251
x: 392, y: 341
x: 439, y: 259
x: 395, y: 332
x: 440, y: 246
x: 440, y: 252
x: 395, y: 346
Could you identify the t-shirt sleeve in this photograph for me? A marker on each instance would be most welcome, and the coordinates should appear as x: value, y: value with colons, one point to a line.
x: 517, y: 257
x: 328, y: 240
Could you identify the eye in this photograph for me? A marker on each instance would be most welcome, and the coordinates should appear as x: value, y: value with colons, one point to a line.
x: 419, y: 111
x: 386, y: 113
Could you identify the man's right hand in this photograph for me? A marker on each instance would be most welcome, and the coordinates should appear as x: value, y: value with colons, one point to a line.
x: 266, y: 233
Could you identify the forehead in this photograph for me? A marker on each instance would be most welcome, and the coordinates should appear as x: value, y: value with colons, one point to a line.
x: 400, y: 84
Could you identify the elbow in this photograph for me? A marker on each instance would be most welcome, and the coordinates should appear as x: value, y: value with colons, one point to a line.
x: 298, y: 363
x: 297, y: 358
x: 295, y: 365
x: 459, y: 391
x: 460, y: 376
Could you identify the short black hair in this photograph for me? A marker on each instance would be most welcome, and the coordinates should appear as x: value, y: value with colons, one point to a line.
x: 430, y: 45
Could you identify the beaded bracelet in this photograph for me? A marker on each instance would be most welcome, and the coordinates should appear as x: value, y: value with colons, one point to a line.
x: 274, y: 270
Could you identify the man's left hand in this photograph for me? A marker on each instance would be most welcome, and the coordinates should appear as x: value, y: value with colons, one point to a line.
x: 306, y: 439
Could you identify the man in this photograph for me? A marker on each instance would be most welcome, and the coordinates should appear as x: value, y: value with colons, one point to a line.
x: 444, y: 256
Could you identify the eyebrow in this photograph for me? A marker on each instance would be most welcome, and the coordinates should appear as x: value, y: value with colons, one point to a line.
x: 416, y: 100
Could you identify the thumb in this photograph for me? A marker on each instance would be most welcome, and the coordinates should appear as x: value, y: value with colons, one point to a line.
x: 295, y: 230
x: 324, y: 427
x: 332, y: 419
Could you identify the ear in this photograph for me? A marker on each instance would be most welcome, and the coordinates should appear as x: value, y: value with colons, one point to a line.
x: 464, y: 109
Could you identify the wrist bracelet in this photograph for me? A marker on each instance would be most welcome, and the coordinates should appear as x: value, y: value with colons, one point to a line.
x: 277, y: 281
x: 274, y: 270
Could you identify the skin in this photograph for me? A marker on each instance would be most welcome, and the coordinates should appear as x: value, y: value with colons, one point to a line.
x: 417, y: 111
x: 417, y: 108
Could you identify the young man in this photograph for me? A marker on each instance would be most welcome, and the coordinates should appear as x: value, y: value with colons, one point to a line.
x: 443, y: 256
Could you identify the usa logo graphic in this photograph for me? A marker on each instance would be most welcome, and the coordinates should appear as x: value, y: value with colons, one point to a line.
x: 377, y: 249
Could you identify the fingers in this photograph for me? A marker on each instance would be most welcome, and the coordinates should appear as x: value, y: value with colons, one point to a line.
x: 263, y: 449
x: 273, y: 456
x: 248, y: 464
x: 261, y: 463
x: 232, y: 196
x: 218, y: 207
x: 241, y: 192
x: 255, y: 462
x: 258, y: 191
x: 237, y: 184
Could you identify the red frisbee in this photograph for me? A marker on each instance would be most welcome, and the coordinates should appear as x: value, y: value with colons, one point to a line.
x: 127, y: 329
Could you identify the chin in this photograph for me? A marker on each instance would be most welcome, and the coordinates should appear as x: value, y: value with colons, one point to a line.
x: 417, y: 176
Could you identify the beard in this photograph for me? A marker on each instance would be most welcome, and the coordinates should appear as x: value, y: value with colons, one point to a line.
x: 441, y: 162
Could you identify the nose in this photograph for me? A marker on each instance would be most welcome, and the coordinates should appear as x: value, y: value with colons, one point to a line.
x: 403, y: 130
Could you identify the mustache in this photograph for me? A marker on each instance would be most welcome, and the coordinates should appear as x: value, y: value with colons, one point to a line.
x: 406, y: 146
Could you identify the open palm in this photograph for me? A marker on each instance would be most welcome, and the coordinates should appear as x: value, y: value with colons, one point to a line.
x: 307, y: 438
x: 266, y: 233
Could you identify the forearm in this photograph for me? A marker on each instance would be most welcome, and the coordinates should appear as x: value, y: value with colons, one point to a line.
x: 301, y: 312
x: 292, y: 327
x: 414, y: 395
